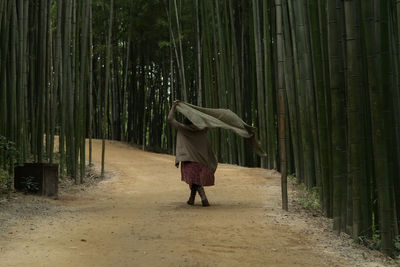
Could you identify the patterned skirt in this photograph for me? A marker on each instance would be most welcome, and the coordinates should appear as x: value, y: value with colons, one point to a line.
x: 196, y: 173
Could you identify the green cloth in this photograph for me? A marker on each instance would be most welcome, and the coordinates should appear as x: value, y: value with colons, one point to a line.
x: 220, y: 118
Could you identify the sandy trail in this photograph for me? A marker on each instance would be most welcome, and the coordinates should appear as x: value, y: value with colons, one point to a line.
x: 140, y: 218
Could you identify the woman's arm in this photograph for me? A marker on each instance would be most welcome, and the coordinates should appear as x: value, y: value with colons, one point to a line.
x: 171, y: 116
x: 175, y: 123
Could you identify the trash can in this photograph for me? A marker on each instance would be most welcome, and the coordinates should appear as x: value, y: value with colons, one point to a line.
x: 37, y: 178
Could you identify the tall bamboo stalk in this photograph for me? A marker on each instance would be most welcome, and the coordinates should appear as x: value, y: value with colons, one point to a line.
x: 290, y: 86
x: 199, y: 65
x: 82, y: 90
x: 355, y: 116
x: 63, y: 67
x: 90, y: 85
x: 377, y: 69
x: 320, y: 89
x: 282, y: 101
x: 303, y: 83
x: 259, y: 77
x: 338, y: 114
x: 106, y: 87
x: 182, y: 65
x: 12, y: 111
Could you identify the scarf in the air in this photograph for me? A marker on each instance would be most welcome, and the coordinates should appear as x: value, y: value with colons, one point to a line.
x: 220, y: 118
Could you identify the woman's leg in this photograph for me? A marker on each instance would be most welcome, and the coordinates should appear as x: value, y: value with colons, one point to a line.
x: 203, y: 196
x: 193, y: 190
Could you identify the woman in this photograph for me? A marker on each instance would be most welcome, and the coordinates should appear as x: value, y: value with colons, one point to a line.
x: 198, y: 162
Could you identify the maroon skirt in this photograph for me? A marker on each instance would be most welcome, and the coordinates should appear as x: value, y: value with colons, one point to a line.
x: 196, y: 173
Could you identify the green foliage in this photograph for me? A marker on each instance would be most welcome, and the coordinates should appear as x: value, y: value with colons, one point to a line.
x: 10, y: 155
x: 397, y: 244
x: 3, y: 181
x: 373, y: 242
x: 292, y: 177
x: 309, y: 198
x: 9, y: 148
x: 162, y: 44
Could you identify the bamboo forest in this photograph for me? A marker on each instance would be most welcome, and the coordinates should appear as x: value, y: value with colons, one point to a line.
x: 319, y: 79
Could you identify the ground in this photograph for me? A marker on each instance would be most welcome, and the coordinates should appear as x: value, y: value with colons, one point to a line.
x: 138, y: 216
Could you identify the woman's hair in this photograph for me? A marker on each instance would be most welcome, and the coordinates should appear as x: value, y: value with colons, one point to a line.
x: 186, y: 121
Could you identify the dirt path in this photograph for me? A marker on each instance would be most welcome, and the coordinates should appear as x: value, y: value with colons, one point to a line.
x: 140, y: 218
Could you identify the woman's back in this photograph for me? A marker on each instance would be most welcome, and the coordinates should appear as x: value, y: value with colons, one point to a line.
x: 192, y: 145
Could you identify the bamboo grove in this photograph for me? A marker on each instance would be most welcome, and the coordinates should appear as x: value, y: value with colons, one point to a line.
x: 320, y: 80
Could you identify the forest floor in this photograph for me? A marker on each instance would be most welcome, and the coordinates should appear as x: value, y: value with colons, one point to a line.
x: 138, y: 216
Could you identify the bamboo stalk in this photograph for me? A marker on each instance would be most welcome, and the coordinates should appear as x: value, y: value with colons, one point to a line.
x: 63, y: 54
x: 90, y: 86
x: 106, y: 87
x: 182, y: 70
x: 336, y: 83
x: 302, y: 70
x: 82, y: 96
x: 355, y: 115
x: 282, y: 102
x: 259, y: 78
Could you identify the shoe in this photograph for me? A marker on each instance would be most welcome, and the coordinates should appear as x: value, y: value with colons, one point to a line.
x: 205, y: 203
x: 203, y: 196
x: 193, y: 191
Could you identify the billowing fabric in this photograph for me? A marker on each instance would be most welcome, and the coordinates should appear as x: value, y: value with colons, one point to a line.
x: 192, y: 144
x: 204, y: 118
x: 196, y: 173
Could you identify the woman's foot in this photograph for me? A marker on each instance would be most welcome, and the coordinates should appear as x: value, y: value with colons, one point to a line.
x: 190, y: 201
x: 205, y: 203
x: 203, y: 196
x: 193, y: 191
